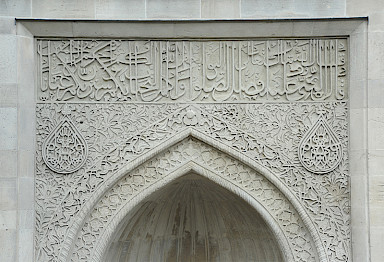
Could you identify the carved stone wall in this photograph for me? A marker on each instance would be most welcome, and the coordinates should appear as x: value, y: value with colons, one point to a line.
x: 108, y: 110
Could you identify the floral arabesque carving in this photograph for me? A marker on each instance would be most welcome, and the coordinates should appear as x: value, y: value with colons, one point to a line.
x: 65, y: 149
x: 270, y: 71
x: 273, y: 133
x: 224, y: 167
x: 320, y: 150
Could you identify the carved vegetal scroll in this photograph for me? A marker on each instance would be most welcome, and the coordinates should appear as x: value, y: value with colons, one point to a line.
x: 320, y: 150
x: 108, y: 102
x: 65, y: 149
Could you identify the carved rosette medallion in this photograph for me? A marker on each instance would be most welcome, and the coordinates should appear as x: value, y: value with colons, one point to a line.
x: 65, y: 149
x: 320, y: 150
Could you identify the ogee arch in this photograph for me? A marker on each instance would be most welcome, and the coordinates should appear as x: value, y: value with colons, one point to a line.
x: 106, y: 208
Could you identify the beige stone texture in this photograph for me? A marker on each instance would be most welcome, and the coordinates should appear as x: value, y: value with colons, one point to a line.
x: 7, y: 25
x: 8, y: 220
x: 376, y: 93
x: 8, y: 194
x: 173, y: 9
x: 8, y: 95
x: 376, y: 125
x: 376, y: 55
x: 63, y: 9
x: 15, y: 8
x: 8, y: 240
x: 291, y: 8
x: 119, y: 9
x: 8, y: 65
x: 376, y: 160
x: 8, y: 163
x: 8, y: 128
x: 225, y: 9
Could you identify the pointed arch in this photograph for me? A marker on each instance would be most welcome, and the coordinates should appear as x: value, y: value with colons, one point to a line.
x: 85, y: 216
x: 190, y: 166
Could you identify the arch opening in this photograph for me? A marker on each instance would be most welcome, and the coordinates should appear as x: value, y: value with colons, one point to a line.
x: 193, y: 219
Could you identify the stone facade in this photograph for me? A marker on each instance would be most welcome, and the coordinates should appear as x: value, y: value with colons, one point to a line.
x: 275, y: 115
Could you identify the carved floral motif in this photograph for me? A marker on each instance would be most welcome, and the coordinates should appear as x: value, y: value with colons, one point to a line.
x: 320, y: 150
x: 93, y: 232
x: 267, y: 133
x: 242, y: 91
x: 65, y: 150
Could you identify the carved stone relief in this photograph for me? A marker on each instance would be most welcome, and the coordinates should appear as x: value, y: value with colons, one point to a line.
x: 320, y: 150
x: 295, y: 141
x: 65, y: 150
x: 94, y: 230
x: 165, y: 71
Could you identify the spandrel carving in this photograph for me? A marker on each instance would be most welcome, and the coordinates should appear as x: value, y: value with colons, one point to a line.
x: 200, y: 71
x: 257, y: 97
x: 65, y: 150
x: 268, y: 134
x: 320, y: 150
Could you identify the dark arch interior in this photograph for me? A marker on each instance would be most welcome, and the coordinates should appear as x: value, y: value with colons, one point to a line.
x: 193, y: 219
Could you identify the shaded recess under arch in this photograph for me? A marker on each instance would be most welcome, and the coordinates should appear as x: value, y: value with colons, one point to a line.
x: 192, y: 151
x: 193, y: 219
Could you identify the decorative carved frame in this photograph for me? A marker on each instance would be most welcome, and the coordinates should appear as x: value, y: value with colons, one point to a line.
x: 353, y: 28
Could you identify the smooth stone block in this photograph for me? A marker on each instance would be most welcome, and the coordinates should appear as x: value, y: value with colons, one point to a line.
x: 63, y: 9
x: 26, y: 163
x: 376, y: 55
x: 375, y: 128
x: 8, y: 219
x: 26, y: 124
x: 7, y: 25
x: 220, y: 9
x: 25, y: 247
x: 360, y: 8
x: 8, y: 128
x: 376, y: 191
x: 8, y: 54
x: 376, y: 216
x: 15, y: 8
x: 358, y: 162
x: 358, y: 94
x: 376, y: 92
x: 119, y: 9
x: 173, y: 9
x: 358, y: 124
x: 375, y: 162
x: 291, y: 8
x: 8, y: 95
x: 376, y: 20
x: 8, y: 245
x: 377, y: 240
x: 8, y: 163
x: 26, y: 72
x: 8, y: 194
x: 26, y: 219
x: 360, y: 243
x: 26, y: 192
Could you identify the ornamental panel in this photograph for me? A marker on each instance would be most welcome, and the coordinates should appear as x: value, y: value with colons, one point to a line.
x: 210, y: 71
x: 103, y: 104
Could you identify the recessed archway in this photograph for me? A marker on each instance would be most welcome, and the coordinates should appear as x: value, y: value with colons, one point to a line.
x: 294, y: 233
x: 193, y: 219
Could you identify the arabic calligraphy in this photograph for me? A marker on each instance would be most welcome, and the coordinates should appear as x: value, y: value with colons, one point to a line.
x: 192, y: 71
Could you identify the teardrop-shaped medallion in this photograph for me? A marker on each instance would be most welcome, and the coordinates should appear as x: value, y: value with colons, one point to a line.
x: 320, y: 150
x: 65, y: 149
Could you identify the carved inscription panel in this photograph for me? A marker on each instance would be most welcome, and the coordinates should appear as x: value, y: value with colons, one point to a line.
x: 165, y: 71
x: 103, y: 104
